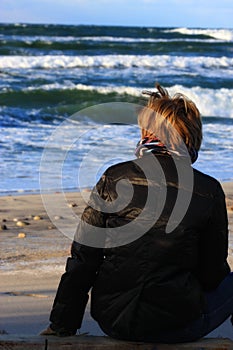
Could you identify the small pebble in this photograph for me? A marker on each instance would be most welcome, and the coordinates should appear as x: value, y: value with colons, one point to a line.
x: 21, y: 223
x: 72, y: 205
x: 15, y: 219
x: 51, y: 227
x: 4, y: 220
x: 21, y: 235
x: 57, y: 217
x: 3, y: 227
x: 37, y: 217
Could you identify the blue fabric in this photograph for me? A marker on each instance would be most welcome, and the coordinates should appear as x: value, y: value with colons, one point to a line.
x: 219, y: 306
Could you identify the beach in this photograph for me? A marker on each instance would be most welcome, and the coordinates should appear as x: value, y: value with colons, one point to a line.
x: 33, y: 257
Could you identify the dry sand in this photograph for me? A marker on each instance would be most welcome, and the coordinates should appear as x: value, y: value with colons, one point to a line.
x: 31, y: 266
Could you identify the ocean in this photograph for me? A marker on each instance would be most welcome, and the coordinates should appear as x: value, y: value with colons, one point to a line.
x: 50, y: 73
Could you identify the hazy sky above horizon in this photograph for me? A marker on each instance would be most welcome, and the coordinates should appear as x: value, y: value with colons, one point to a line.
x: 169, y: 13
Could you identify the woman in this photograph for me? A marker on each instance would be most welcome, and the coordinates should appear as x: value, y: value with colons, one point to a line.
x: 165, y: 276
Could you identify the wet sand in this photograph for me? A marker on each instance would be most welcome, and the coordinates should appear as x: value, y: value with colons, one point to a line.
x: 33, y: 256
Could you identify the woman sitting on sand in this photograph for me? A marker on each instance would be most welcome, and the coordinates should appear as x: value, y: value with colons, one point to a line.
x: 156, y: 267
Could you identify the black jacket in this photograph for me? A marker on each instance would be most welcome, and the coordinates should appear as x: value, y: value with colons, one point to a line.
x: 157, y: 281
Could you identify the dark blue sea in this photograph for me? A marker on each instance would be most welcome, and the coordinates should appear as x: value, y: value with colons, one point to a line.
x: 49, y: 73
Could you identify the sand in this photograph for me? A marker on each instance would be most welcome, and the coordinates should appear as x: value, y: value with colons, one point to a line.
x: 31, y: 266
x: 33, y: 253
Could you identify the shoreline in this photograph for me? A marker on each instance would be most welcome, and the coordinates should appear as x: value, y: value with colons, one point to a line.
x: 38, y: 192
x: 21, y: 192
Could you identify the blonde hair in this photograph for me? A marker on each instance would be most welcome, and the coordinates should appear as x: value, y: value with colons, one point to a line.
x: 171, y: 119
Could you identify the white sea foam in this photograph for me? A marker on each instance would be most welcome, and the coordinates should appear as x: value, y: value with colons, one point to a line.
x: 115, y: 61
x: 211, y: 102
x: 221, y: 34
x: 76, y: 39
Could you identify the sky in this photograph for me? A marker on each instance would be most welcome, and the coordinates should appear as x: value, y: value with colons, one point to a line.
x: 167, y: 13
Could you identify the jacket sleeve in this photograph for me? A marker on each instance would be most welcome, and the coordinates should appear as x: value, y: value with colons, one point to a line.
x: 213, y: 266
x: 81, y: 270
x: 72, y: 293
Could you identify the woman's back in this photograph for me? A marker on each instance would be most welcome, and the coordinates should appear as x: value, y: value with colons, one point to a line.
x: 154, y: 283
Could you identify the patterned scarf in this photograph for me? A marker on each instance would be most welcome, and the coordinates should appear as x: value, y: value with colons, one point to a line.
x: 147, y: 145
